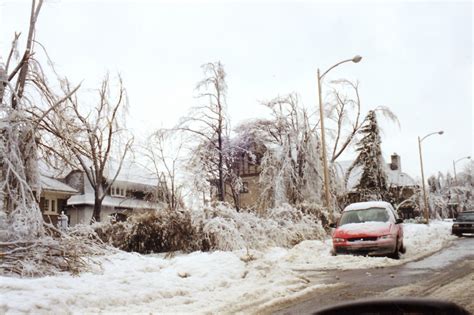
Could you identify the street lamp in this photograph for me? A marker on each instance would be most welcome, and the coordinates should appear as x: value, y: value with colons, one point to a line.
x: 327, y: 195
x: 456, y: 178
x: 454, y: 167
x: 427, y: 216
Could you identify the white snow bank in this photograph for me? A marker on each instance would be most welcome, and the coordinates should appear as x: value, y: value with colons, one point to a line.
x: 217, y: 282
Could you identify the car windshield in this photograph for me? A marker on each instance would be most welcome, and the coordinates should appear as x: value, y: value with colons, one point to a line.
x: 466, y: 216
x: 364, y: 215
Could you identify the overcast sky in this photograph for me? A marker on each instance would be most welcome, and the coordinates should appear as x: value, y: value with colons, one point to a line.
x: 417, y: 59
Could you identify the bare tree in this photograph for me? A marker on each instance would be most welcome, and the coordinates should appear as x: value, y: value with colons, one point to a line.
x: 210, y: 124
x: 89, y: 139
x: 163, y: 153
x: 345, y: 114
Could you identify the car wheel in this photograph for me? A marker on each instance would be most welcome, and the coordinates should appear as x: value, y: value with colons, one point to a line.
x: 396, y: 253
x: 403, y: 249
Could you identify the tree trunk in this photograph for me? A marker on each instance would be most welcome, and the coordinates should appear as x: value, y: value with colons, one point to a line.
x: 221, y: 161
x: 97, y: 209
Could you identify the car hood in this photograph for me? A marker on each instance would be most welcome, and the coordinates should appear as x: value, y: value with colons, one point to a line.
x: 363, y: 229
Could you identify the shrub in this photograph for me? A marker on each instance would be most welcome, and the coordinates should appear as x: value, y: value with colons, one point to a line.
x: 218, y: 227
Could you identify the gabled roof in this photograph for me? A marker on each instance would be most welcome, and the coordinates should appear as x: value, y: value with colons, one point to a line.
x: 51, y: 184
x: 395, y: 177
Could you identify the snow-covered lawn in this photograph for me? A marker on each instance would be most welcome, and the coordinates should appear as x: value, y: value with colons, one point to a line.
x: 217, y: 282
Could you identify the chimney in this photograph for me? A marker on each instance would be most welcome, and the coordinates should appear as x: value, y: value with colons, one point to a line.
x: 395, y: 164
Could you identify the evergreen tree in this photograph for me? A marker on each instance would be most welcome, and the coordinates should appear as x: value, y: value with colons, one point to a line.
x: 373, y: 181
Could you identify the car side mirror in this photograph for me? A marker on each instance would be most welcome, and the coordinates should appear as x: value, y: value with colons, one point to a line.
x: 398, y: 221
x: 332, y: 225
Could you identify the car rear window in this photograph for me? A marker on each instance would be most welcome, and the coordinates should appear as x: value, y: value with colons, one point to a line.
x: 466, y: 216
x: 364, y: 215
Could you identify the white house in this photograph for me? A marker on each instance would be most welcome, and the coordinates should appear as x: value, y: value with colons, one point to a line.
x: 131, y: 192
x: 53, y: 198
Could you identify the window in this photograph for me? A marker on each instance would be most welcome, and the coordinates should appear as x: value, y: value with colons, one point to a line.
x: 118, y: 192
x: 245, y: 187
x: 46, y: 205
x: 53, y: 206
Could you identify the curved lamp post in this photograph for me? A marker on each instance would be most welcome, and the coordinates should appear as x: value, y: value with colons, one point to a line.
x: 454, y: 167
x: 427, y: 216
x: 327, y: 195
x: 456, y: 178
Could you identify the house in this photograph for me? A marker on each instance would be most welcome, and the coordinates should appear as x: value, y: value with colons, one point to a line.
x: 53, y: 198
x: 130, y: 193
x: 246, y: 166
x: 402, y: 186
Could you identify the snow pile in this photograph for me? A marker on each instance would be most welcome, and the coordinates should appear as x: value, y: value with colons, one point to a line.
x: 421, y: 240
x: 216, y: 282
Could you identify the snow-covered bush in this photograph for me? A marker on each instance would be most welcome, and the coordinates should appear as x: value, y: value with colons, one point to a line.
x: 218, y: 227
x: 283, y: 226
x: 154, y: 232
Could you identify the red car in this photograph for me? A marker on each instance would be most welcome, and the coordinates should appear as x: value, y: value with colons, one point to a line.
x: 369, y: 228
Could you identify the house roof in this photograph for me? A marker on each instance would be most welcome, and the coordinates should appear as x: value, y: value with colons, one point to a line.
x: 394, y: 177
x: 51, y: 184
x: 88, y: 199
x: 131, y: 173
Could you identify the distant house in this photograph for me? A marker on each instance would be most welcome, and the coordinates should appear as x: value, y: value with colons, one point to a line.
x: 53, y: 198
x: 401, y: 185
x: 129, y: 194
x: 247, y: 166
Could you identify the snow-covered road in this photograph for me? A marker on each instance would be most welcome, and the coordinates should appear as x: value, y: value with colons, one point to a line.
x: 216, y: 282
x: 446, y: 275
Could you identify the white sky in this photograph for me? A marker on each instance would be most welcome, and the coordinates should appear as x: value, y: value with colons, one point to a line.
x: 417, y: 59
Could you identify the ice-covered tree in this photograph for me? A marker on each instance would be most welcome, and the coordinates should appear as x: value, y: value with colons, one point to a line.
x: 208, y: 125
x: 28, y: 245
x: 163, y: 158
x: 290, y: 166
x: 373, y: 181
x: 344, y: 121
x: 344, y: 116
x: 449, y: 194
x: 92, y: 139
x: 464, y: 183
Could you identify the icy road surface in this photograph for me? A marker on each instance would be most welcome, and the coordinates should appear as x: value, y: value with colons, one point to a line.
x: 447, y: 275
